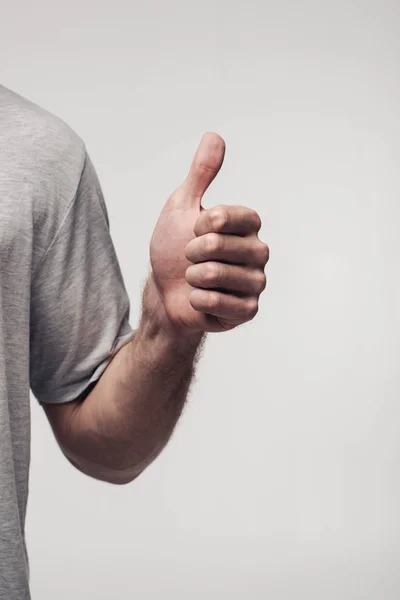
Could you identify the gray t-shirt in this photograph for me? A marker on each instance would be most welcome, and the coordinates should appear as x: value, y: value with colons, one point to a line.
x: 64, y: 309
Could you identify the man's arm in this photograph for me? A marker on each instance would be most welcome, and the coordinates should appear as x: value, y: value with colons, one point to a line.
x: 127, y: 419
x: 207, y: 276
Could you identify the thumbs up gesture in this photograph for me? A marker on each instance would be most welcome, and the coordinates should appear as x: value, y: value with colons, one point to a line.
x: 207, y: 265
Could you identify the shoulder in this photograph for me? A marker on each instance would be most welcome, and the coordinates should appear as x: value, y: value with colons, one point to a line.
x: 44, y: 147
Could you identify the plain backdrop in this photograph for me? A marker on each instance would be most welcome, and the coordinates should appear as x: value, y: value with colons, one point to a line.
x: 282, y: 480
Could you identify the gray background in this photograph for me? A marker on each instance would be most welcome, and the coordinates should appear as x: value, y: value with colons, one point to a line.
x: 282, y: 480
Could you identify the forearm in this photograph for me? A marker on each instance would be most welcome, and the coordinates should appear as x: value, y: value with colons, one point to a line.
x: 129, y: 416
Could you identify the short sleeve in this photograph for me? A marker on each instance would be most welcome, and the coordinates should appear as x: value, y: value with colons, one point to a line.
x: 79, y: 309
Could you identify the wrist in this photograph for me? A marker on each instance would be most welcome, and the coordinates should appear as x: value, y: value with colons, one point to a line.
x: 154, y: 321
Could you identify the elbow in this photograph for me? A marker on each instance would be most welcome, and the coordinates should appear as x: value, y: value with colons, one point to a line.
x: 115, y: 477
x: 119, y: 478
x: 119, y: 471
x: 106, y: 474
x: 123, y: 476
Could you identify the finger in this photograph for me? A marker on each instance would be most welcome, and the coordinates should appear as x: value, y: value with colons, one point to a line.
x: 206, y: 163
x: 228, y: 248
x: 224, y: 306
x: 233, y: 278
x: 228, y: 219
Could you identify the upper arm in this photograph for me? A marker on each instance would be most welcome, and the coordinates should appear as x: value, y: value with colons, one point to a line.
x: 79, y: 310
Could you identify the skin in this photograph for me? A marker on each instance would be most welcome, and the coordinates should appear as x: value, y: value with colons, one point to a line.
x: 207, y: 274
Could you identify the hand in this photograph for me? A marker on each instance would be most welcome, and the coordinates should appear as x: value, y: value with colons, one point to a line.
x: 207, y: 265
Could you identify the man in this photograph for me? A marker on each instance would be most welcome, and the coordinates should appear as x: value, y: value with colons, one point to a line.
x: 111, y: 394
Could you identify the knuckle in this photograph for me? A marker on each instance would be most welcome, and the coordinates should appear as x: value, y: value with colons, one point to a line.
x: 213, y: 243
x: 212, y: 273
x: 262, y: 282
x: 214, y: 300
x: 218, y: 217
x: 251, y: 308
x: 264, y: 253
x: 257, y: 219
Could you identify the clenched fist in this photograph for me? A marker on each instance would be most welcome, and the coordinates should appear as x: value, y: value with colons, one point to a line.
x: 207, y: 265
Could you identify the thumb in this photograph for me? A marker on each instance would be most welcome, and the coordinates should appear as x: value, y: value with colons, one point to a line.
x: 206, y: 163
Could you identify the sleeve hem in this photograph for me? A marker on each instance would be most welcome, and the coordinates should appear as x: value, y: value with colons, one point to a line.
x: 75, y: 390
